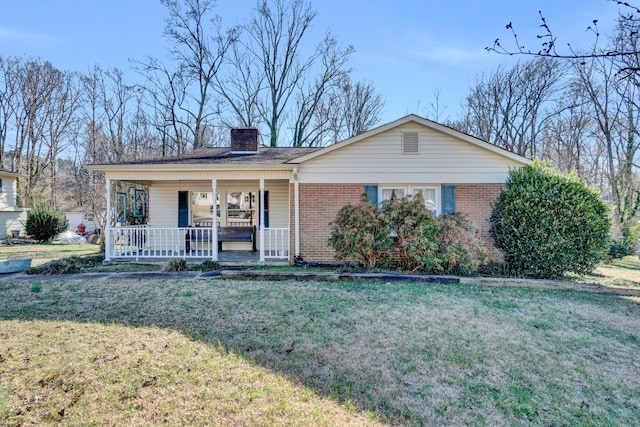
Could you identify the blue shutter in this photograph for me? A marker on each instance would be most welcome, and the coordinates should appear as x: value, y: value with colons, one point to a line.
x: 372, y: 194
x: 266, y: 210
x: 448, y: 199
x: 183, y: 208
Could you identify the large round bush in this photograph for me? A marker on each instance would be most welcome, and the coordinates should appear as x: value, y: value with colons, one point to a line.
x: 44, y: 223
x: 549, y: 224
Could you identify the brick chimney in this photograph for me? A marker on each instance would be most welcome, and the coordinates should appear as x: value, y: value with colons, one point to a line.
x: 244, y: 140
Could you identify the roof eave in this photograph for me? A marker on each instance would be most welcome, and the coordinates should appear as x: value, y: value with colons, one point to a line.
x: 189, y: 166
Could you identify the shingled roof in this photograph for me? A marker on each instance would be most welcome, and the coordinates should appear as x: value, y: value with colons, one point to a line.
x: 219, y: 156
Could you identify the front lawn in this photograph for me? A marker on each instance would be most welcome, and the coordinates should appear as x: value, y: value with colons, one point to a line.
x: 43, y: 253
x: 620, y: 272
x: 225, y: 352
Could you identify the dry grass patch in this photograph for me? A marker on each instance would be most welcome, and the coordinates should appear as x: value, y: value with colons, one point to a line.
x: 43, y: 253
x: 412, y: 354
x: 92, y: 374
x: 623, y: 272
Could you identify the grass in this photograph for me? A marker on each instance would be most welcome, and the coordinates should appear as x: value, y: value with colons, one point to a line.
x: 228, y: 352
x: 43, y: 253
x: 623, y: 272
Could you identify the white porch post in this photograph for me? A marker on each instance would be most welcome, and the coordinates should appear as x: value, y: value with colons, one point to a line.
x: 107, y: 223
x: 214, y: 223
x: 261, y: 219
x: 296, y: 213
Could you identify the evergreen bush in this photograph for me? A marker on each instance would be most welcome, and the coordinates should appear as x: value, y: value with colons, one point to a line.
x: 405, y: 235
x: 358, y: 232
x: 459, y: 251
x: 415, y: 235
x: 549, y: 224
x: 45, y: 222
x: 175, y: 265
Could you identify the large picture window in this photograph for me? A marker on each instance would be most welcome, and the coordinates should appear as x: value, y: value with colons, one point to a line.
x: 430, y: 195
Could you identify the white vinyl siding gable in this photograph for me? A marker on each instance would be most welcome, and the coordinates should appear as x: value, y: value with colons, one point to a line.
x: 379, y: 158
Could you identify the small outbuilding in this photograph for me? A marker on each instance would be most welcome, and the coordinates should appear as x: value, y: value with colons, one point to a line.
x: 12, y: 216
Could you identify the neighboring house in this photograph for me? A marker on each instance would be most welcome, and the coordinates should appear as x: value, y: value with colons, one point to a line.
x: 78, y: 215
x: 292, y: 194
x: 12, y: 217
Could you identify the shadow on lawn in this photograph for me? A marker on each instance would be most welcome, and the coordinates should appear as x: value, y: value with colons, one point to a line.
x: 293, y: 334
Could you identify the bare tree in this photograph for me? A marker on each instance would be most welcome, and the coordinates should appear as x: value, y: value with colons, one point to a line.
x: 614, y: 106
x: 9, y: 92
x: 511, y: 106
x: 275, y: 40
x: 568, y: 140
x: 45, y: 97
x: 199, y: 56
x: 309, y: 123
x: 628, y: 16
x: 241, y: 85
x: 164, y: 92
x: 362, y: 107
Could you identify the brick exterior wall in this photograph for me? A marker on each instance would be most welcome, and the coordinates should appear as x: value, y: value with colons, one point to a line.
x: 476, y: 202
x: 244, y: 140
x: 320, y: 203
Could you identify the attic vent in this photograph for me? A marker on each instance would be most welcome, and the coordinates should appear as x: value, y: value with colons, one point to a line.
x: 409, y: 142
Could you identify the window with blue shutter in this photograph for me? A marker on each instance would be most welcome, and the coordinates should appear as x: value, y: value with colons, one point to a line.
x: 183, y: 208
x: 448, y: 199
x: 372, y: 194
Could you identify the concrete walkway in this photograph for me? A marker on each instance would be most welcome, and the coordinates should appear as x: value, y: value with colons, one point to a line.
x: 246, y: 274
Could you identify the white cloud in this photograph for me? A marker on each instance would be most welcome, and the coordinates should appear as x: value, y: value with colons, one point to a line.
x: 423, y: 45
x: 26, y: 37
x: 449, y: 55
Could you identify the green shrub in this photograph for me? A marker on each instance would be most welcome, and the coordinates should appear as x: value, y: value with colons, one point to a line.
x: 459, y: 249
x: 619, y: 249
x: 414, y: 230
x: 359, y: 233
x: 175, y: 265
x: 549, y: 224
x: 58, y: 266
x: 405, y: 235
x: 208, y: 265
x: 45, y: 222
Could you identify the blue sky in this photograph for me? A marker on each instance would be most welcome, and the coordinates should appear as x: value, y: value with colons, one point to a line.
x: 409, y: 49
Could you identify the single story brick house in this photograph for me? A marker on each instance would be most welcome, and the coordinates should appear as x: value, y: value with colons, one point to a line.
x: 12, y: 216
x: 275, y: 204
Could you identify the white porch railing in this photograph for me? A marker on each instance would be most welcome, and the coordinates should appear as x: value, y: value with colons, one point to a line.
x: 142, y: 241
x: 276, y: 243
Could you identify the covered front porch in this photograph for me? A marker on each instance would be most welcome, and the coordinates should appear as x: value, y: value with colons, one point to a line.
x: 225, y: 219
